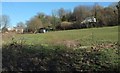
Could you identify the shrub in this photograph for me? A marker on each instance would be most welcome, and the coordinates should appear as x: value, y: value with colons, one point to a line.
x: 66, y: 25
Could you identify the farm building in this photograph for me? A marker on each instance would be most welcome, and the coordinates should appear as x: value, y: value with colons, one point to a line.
x: 42, y: 30
x: 89, y: 20
x: 19, y: 29
x: 10, y: 29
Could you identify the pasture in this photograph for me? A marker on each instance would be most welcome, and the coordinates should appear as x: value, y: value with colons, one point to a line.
x: 84, y: 37
x: 46, y: 51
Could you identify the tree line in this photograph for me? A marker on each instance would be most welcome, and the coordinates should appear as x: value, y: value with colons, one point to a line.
x: 64, y: 19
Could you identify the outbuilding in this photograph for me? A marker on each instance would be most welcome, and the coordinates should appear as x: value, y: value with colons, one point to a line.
x: 19, y: 29
x: 42, y: 30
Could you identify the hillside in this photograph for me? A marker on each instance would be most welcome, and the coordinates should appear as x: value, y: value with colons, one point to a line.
x: 80, y: 36
x: 25, y: 53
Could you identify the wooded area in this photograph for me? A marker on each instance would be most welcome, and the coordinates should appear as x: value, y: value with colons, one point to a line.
x: 64, y: 19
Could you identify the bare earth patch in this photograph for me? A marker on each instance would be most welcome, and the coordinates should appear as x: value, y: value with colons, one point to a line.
x: 69, y: 43
x: 76, y: 44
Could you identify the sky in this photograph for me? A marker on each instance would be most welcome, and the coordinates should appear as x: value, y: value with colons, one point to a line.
x: 23, y: 11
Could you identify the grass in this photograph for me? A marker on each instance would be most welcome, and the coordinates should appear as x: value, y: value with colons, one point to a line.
x: 28, y: 52
x: 83, y: 36
x: 17, y: 57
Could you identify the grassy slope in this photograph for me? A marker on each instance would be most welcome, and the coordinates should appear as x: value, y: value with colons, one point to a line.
x: 84, y: 36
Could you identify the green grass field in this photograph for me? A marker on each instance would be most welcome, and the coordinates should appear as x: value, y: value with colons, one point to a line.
x: 36, y: 57
x: 83, y: 36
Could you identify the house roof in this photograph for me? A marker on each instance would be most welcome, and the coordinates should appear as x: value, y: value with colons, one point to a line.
x: 89, y: 19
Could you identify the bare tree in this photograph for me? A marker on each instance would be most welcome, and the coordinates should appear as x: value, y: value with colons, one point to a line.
x: 4, y: 21
x: 34, y: 24
x: 81, y: 12
x: 21, y: 24
x: 55, y: 20
x: 61, y: 12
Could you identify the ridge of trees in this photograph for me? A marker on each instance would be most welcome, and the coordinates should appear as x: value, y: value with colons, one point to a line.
x: 63, y: 19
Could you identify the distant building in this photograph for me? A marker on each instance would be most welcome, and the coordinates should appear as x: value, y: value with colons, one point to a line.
x: 42, y: 30
x: 10, y: 29
x: 19, y: 29
x: 89, y: 20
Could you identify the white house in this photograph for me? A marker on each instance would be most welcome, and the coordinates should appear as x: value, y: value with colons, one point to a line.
x: 89, y: 20
x: 19, y: 29
x: 10, y: 29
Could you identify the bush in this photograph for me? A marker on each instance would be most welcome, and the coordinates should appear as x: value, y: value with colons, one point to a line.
x: 66, y: 25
